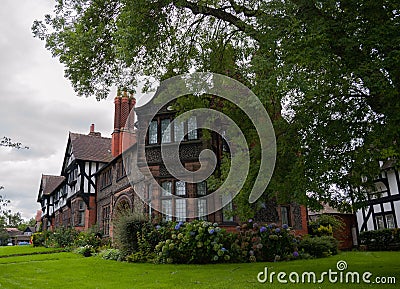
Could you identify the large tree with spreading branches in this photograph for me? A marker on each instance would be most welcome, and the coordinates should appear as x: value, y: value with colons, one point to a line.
x: 326, y: 71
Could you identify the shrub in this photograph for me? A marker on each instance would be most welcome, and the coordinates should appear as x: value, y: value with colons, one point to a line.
x: 62, y: 237
x: 126, y: 226
x: 111, y: 254
x: 86, y: 250
x: 263, y: 243
x: 86, y: 238
x: 38, y: 239
x: 319, y: 246
x: 327, y: 225
x: 386, y: 239
x: 195, y: 242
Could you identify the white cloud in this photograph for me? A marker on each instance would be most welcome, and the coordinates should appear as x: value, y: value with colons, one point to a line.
x: 37, y: 106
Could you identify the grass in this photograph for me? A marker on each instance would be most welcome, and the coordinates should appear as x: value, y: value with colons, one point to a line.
x: 68, y: 270
x: 7, y: 251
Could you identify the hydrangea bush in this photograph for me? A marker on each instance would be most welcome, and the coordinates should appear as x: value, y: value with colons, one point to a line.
x: 194, y: 242
x: 255, y: 242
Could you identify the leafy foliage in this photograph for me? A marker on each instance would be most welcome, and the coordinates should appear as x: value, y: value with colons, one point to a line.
x: 194, y: 242
x: 111, y: 254
x: 319, y: 246
x: 86, y: 250
x: 254, y: 243
x: 327, y: 225
x: 127, y: 225
x: 377, y: 240
x: 61, y: 238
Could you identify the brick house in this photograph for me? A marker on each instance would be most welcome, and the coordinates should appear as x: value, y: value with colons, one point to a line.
x: 101, y: 175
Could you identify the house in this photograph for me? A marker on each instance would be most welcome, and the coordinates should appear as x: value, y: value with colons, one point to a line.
x: 12, y: 235
x: 382, y: 208
x: 69, y: 200
x: 49, y: 186
x: 101, y: 176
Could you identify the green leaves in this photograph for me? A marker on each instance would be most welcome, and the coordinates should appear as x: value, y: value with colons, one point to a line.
x: 326, y: 71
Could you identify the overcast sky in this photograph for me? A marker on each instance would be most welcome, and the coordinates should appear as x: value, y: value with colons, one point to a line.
x: 38, y: 106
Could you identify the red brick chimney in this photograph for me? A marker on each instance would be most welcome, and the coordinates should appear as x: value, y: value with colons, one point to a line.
x: 123, y: 124
x: 92, y: 132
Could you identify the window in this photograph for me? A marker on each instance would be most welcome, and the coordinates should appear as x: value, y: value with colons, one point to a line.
x: 169, y: 205
x: 179, y: 131
x: 192, y: 128
x: 106, y: 220
x: 167, y: 209
x: 180, y: 188
x: 166, y: 188
x: 202, y: 188
x: 379, y: 222
x: 153, y: 132
x: 73, y: 175
x: 81, y: 213
x: 202, y: 209
x: 285, y: 215
x: 390, y: 221
x: 165, y: 131
x: 162, y: 127
x: 180, y: 209
x: 106, y: 179
x: 120, y: 170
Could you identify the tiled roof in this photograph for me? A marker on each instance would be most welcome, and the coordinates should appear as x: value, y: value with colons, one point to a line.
x: 91, y: 147
x: 12, y: 232
x: 50, y: 183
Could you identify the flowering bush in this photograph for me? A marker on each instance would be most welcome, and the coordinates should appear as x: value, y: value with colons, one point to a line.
x: 86, y: 238
x: 194, y: 242
x: 86, y: 250
x: 61, y: 237
x: 264, y: 243
x: 39, y: 238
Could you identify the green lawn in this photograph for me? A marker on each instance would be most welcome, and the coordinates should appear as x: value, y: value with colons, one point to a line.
x: 68, y: 270
x: 6, y: 251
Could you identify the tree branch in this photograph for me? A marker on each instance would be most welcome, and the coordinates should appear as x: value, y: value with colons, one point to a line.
x: 219, y: 14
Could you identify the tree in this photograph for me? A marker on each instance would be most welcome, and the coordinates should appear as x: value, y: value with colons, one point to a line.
x: 326, y: 71
x: 25, y: 224
x: 7, y: 142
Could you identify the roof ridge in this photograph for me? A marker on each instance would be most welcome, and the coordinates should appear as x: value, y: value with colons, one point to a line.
x: 82, y: 134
